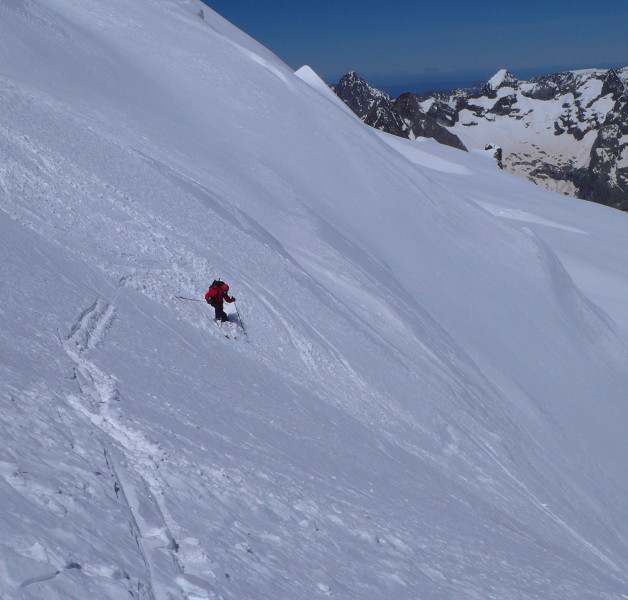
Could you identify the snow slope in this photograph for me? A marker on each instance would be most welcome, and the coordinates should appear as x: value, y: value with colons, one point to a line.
x: 432, y: 399
x: 591, y: 243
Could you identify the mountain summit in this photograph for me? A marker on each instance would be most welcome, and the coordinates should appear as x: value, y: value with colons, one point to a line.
x: 502, y: 78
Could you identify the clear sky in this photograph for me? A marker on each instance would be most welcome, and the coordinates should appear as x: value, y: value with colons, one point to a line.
x: 401, y: 41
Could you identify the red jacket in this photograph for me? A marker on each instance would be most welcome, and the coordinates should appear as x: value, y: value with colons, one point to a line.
x: 216, y: 295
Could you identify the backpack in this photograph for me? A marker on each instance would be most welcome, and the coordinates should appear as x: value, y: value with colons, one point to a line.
x: 217, y: 284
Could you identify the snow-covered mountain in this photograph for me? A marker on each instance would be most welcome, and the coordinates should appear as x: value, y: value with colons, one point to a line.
x: 567, y: 132
x: 430, y: 401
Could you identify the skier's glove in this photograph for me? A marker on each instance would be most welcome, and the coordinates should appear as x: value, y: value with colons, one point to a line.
x: 232, y: 298
x: 208, y: 302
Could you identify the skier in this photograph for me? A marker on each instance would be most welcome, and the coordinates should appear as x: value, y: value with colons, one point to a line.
x: 215, y: 296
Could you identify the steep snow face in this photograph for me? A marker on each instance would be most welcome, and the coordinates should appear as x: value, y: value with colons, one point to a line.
x: 431, y: 399
x: 309, y: 76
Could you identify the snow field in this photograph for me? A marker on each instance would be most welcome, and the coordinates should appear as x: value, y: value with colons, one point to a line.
x: 429, y: 402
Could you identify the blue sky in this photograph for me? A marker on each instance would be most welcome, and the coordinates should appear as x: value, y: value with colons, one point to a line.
x: 402, y: 41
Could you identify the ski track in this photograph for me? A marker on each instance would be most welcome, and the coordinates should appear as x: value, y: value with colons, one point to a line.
x: 132, y: 461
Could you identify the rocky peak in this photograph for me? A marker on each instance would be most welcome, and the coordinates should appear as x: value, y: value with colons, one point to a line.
x: 613, y: 84
x: 357, y: 94
x: 501, y: 79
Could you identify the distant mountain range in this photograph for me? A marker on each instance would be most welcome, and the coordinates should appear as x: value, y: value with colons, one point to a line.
x: 567, y: 131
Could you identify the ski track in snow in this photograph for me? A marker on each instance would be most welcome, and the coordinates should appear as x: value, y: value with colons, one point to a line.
x: 133, y: 461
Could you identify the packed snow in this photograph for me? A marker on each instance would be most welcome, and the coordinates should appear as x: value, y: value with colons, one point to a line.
x: 430, y: 398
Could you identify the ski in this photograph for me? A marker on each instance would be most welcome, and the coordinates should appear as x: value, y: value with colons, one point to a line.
x: 218, y: 322
x: 221, y: 328
x: 240, y: 322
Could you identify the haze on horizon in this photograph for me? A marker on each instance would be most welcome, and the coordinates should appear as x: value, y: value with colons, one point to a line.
x: 404, y: 42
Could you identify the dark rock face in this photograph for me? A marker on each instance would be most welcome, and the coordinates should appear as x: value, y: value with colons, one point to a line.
x: 422, y: 124
x: 607, y: 174
x: 403, y: 118
x: 358, y: 95
x: 442, y: 113
x: 545, y: 90
x: 605, y: 178
x: 382, y: 115
x: 505, y: 106
x: 497, y: 154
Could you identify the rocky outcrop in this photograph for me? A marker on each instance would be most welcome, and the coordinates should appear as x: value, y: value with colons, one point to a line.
x: 422, y: 124
x: 382, y: 115
x: 358, y: 95
x: 607, y: 173
x: 404, y: 117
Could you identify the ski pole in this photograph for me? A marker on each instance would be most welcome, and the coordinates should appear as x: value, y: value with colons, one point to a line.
x: 191, y: 299
x: 246, y: 335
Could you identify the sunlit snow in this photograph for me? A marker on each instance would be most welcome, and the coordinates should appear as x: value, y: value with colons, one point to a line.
x: 431, y: 399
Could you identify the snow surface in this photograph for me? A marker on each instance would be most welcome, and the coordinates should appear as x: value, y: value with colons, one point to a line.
x: 431, y: 402
x: 309, y: 76
x: 414, y: 152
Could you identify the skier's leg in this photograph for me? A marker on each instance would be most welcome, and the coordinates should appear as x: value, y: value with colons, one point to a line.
x: 220, y: 313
